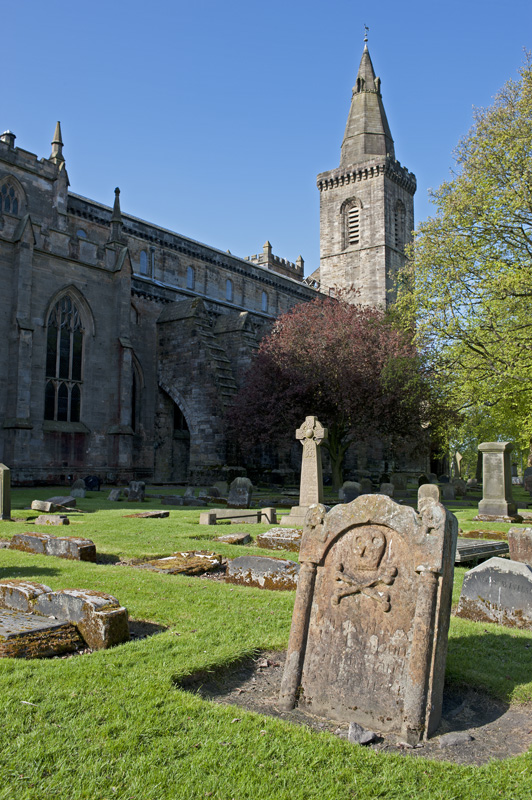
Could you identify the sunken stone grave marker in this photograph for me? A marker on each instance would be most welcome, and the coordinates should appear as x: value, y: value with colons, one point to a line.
x: 311, y: 434
x: 266, y: 573
x: 281, y: 539
x: 368, y: 640
x: 498, y: 590
x: 5, y: 492
x: 136, y: 492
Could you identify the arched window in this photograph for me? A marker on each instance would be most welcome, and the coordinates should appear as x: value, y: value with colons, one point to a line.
x: 191, y: 278
x: 8, y: 199
x: 399, y: 225
x: 64, y: 361
x: 143, y: 262
x: 229, y: 290
x: 264, y: 301
x: 350, y: 212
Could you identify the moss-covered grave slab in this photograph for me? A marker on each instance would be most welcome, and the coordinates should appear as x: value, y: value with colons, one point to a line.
x: 24, y: 635
x: 98, y: 618
x: 281, y: 539
x: 193, y: 562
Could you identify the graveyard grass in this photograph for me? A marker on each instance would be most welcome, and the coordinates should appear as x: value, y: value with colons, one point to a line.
x: 115, y: 724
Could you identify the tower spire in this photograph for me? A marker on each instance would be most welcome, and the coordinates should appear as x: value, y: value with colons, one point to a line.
x: 57, y: 146
x: 367, y: 133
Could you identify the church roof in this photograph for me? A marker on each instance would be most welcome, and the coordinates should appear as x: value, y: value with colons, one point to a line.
x: 367, y: 133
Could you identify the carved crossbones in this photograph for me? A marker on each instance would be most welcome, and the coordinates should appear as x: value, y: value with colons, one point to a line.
x: 363, y: 584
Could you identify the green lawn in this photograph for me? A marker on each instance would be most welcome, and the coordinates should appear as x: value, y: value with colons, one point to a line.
x: 113, y: 724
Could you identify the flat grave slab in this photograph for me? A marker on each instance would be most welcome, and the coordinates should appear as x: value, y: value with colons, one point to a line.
x: 150, y: 515
x: 189, y: 563
x: 281, y: 539
x: 72, y: 547
x: 265, y: 573
x: 473, y: 549
x: 234, y: 538
x: 24, y: 635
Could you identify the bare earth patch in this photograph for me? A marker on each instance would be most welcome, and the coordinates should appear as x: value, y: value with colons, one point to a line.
x: 497, y: 730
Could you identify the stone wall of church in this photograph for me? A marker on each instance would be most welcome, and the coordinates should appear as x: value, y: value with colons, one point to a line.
x: 168, y: 326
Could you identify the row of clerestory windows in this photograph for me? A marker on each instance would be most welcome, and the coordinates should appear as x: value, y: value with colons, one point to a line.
x: 191, y: 280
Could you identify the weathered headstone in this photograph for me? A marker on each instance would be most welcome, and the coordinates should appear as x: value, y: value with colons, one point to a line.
x: 190, y: 491
x: 265, y: 573
x: 193, y: 562
x: 520, y: 544
x: 240, y: 493
x: 77, y: 493
x: 45, y: 506
x: 399, y: 480
x: 422, y: 480
x: 448, y: 493
x: 311, y: 434
x: 99, y: 617
x: 92, y: 483
x: 5, y: 492
x: 427, y: 491
x: 387, y: 489
x: 136, y: 491
x: 433, y: 478
x: 115, y: 495
x: 369, y: 631
x: 350, y: 491
x: 497, y: 501
x: 460, y: 487
x: 79, y: 484
x: 366, y: 486
x: 498, y: 591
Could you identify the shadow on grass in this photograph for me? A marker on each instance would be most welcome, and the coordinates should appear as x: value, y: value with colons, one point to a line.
x: 25, y: 572
x: 497, y: 663
x: 219, y: 680
x: 141, y: 628
x: 107, y: 558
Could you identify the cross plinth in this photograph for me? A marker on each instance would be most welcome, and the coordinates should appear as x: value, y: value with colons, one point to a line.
x: 311, y: 434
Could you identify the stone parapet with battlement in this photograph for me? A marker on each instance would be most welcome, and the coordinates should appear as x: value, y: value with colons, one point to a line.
x: 370, y: 169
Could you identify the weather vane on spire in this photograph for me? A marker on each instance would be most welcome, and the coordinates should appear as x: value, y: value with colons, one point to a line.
x: 366, y: 29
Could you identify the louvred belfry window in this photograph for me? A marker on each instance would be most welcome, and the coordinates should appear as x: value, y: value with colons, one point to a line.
x: 64, y: 356
x: 353, y: 225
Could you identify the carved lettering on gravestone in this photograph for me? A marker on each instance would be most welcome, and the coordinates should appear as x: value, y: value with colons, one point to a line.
x: 369, y: 630
x: 311, y: 434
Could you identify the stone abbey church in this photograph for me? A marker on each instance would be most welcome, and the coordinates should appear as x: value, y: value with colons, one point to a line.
x: 124, y: 342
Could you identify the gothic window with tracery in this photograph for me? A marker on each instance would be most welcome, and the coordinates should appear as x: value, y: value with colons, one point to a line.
x: 8, y: 199
x: 64, y: 360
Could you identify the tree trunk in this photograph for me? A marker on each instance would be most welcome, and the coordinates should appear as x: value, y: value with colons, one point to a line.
x: 337, y: 446
x: 529, y: 459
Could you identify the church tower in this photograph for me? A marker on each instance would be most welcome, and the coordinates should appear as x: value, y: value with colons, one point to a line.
x: 367, y: 203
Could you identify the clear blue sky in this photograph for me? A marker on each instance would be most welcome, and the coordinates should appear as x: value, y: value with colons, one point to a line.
x: 215, y: 117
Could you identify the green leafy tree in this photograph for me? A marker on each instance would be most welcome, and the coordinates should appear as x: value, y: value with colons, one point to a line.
x: 346, y: 364
x: 467, y: 288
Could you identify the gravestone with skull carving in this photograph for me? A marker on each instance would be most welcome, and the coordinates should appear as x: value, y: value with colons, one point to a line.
x: 369, y: 631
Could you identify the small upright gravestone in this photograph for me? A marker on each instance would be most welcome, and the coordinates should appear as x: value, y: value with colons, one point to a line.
x: 5, y: 492
x: 499, y: 591
x: 350, y: 491
x: 368, y: 640
x: 240, y: 493
x: 497, y: 502
x: 136, y: 491
x: 311, y: 434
